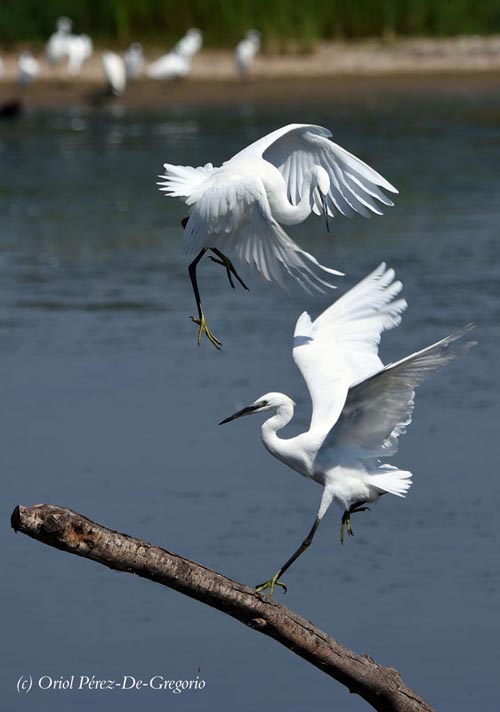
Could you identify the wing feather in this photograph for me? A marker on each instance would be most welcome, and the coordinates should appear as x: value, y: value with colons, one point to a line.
x: 341, y: 346
x: 183, y: 181
x: 379, y: 409
x: 296, y: 148
x: 233, y: 214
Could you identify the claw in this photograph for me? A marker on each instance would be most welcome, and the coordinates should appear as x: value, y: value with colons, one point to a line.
x: 203, y: 329
x: 271, y: 584
x: 346, y: 521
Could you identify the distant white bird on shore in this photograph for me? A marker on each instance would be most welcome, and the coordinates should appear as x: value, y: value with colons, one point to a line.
x: 2, y: 68
x: 359, y: 407
x: 278, y: 180
x: 170, y: 66
x: 134, y: 61
x: 79, y: 50
x: 190, y: 44
x: 57, y: 47
x: 245, y: 52
x: 28, y: 68
x: 114, y: 71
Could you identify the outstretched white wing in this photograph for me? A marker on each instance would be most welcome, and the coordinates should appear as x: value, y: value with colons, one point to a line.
x: 232, y: 213
x: 296, y: 148
x: 341, y: 346
x: 183, y: 181
x: 378, y: 410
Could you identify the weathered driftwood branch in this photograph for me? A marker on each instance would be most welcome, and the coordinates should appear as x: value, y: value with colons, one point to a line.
x: 64, y: 529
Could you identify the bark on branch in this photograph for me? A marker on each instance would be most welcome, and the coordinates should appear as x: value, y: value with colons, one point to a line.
x: 381, y: 687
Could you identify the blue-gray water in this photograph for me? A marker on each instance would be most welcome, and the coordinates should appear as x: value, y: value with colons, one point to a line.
x: 109, y: 408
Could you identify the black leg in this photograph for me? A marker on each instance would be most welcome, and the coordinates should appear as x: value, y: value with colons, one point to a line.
x: 230, y: 270
x: 203, y: 328
x: 272, y: 583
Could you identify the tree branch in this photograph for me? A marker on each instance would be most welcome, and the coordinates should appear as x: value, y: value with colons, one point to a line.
x: 69, y: 531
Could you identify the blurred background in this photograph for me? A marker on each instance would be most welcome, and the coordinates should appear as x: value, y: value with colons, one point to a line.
x: 108, y: 406
x: 283, y: 23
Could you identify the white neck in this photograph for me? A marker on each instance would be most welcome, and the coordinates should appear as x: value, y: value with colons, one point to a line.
x: 287, y: 214
x: 282, y: 416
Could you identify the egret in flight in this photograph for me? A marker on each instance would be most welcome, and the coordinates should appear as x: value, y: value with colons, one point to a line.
x: 359, y: 407
x: 278, y: 180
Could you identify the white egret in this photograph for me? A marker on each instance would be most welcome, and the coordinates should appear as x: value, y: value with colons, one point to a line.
x: 190, y: 44
x: 278, y: 180
x: 359, y: 407
x: 28, y: 68
x: 57, y: 47
x: 2, y: 68
x: 114, y: 71
x: 169, y: 66
x: 245, y: 52
x: 134, y: 61
x: 79, y: 50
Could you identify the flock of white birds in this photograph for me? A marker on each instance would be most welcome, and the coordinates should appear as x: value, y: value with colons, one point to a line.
x: 75, y: 50
x: 360, y: 407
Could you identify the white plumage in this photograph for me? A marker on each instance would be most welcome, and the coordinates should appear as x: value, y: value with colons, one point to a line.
x: 359, y: 407
x: 28, y: 68
x: 134, y: 61
x: 114, y: 71
x: 57, y: 47
x: 169, y: 66
x: 278, y: 180
x: 190, y: 44
x: 80, y: 49
x: 245, y: 52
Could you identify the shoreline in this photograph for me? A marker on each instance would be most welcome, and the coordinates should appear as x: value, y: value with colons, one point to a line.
x: 344, y: 68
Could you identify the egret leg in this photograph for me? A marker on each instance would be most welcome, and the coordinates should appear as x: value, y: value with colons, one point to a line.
x: 230, y: 270
x: 274, y: 581
x: 203, y: 328
x: 346, y: 519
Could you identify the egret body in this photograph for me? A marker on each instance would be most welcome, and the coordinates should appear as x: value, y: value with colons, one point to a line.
x: 134, y: 61
x: 28, y: 68
x: 359, y: 407
x: 280, y: 179
x: 245, y: 52
x: 114, y: 71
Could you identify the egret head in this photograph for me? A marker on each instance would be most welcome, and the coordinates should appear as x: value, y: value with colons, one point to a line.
x: 269, y: 401
x: 64, y: 25
x: 254, y: 36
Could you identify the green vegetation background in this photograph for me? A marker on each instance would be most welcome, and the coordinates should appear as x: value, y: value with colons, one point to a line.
x: 285, y: 24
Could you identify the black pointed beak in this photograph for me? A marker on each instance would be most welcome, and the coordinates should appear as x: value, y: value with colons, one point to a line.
x: 245, y: 411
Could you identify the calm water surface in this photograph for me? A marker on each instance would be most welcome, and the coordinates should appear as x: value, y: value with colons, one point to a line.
x: 108, y: 407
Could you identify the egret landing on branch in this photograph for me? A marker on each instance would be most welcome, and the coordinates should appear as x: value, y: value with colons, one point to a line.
x: 278, y: 180
x: 359, y: 408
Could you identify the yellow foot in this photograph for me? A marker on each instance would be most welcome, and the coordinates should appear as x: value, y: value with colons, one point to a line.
x: 346, y: 524
x: 346, y: 521
x: 203, y: 329
x: 271, y: 584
